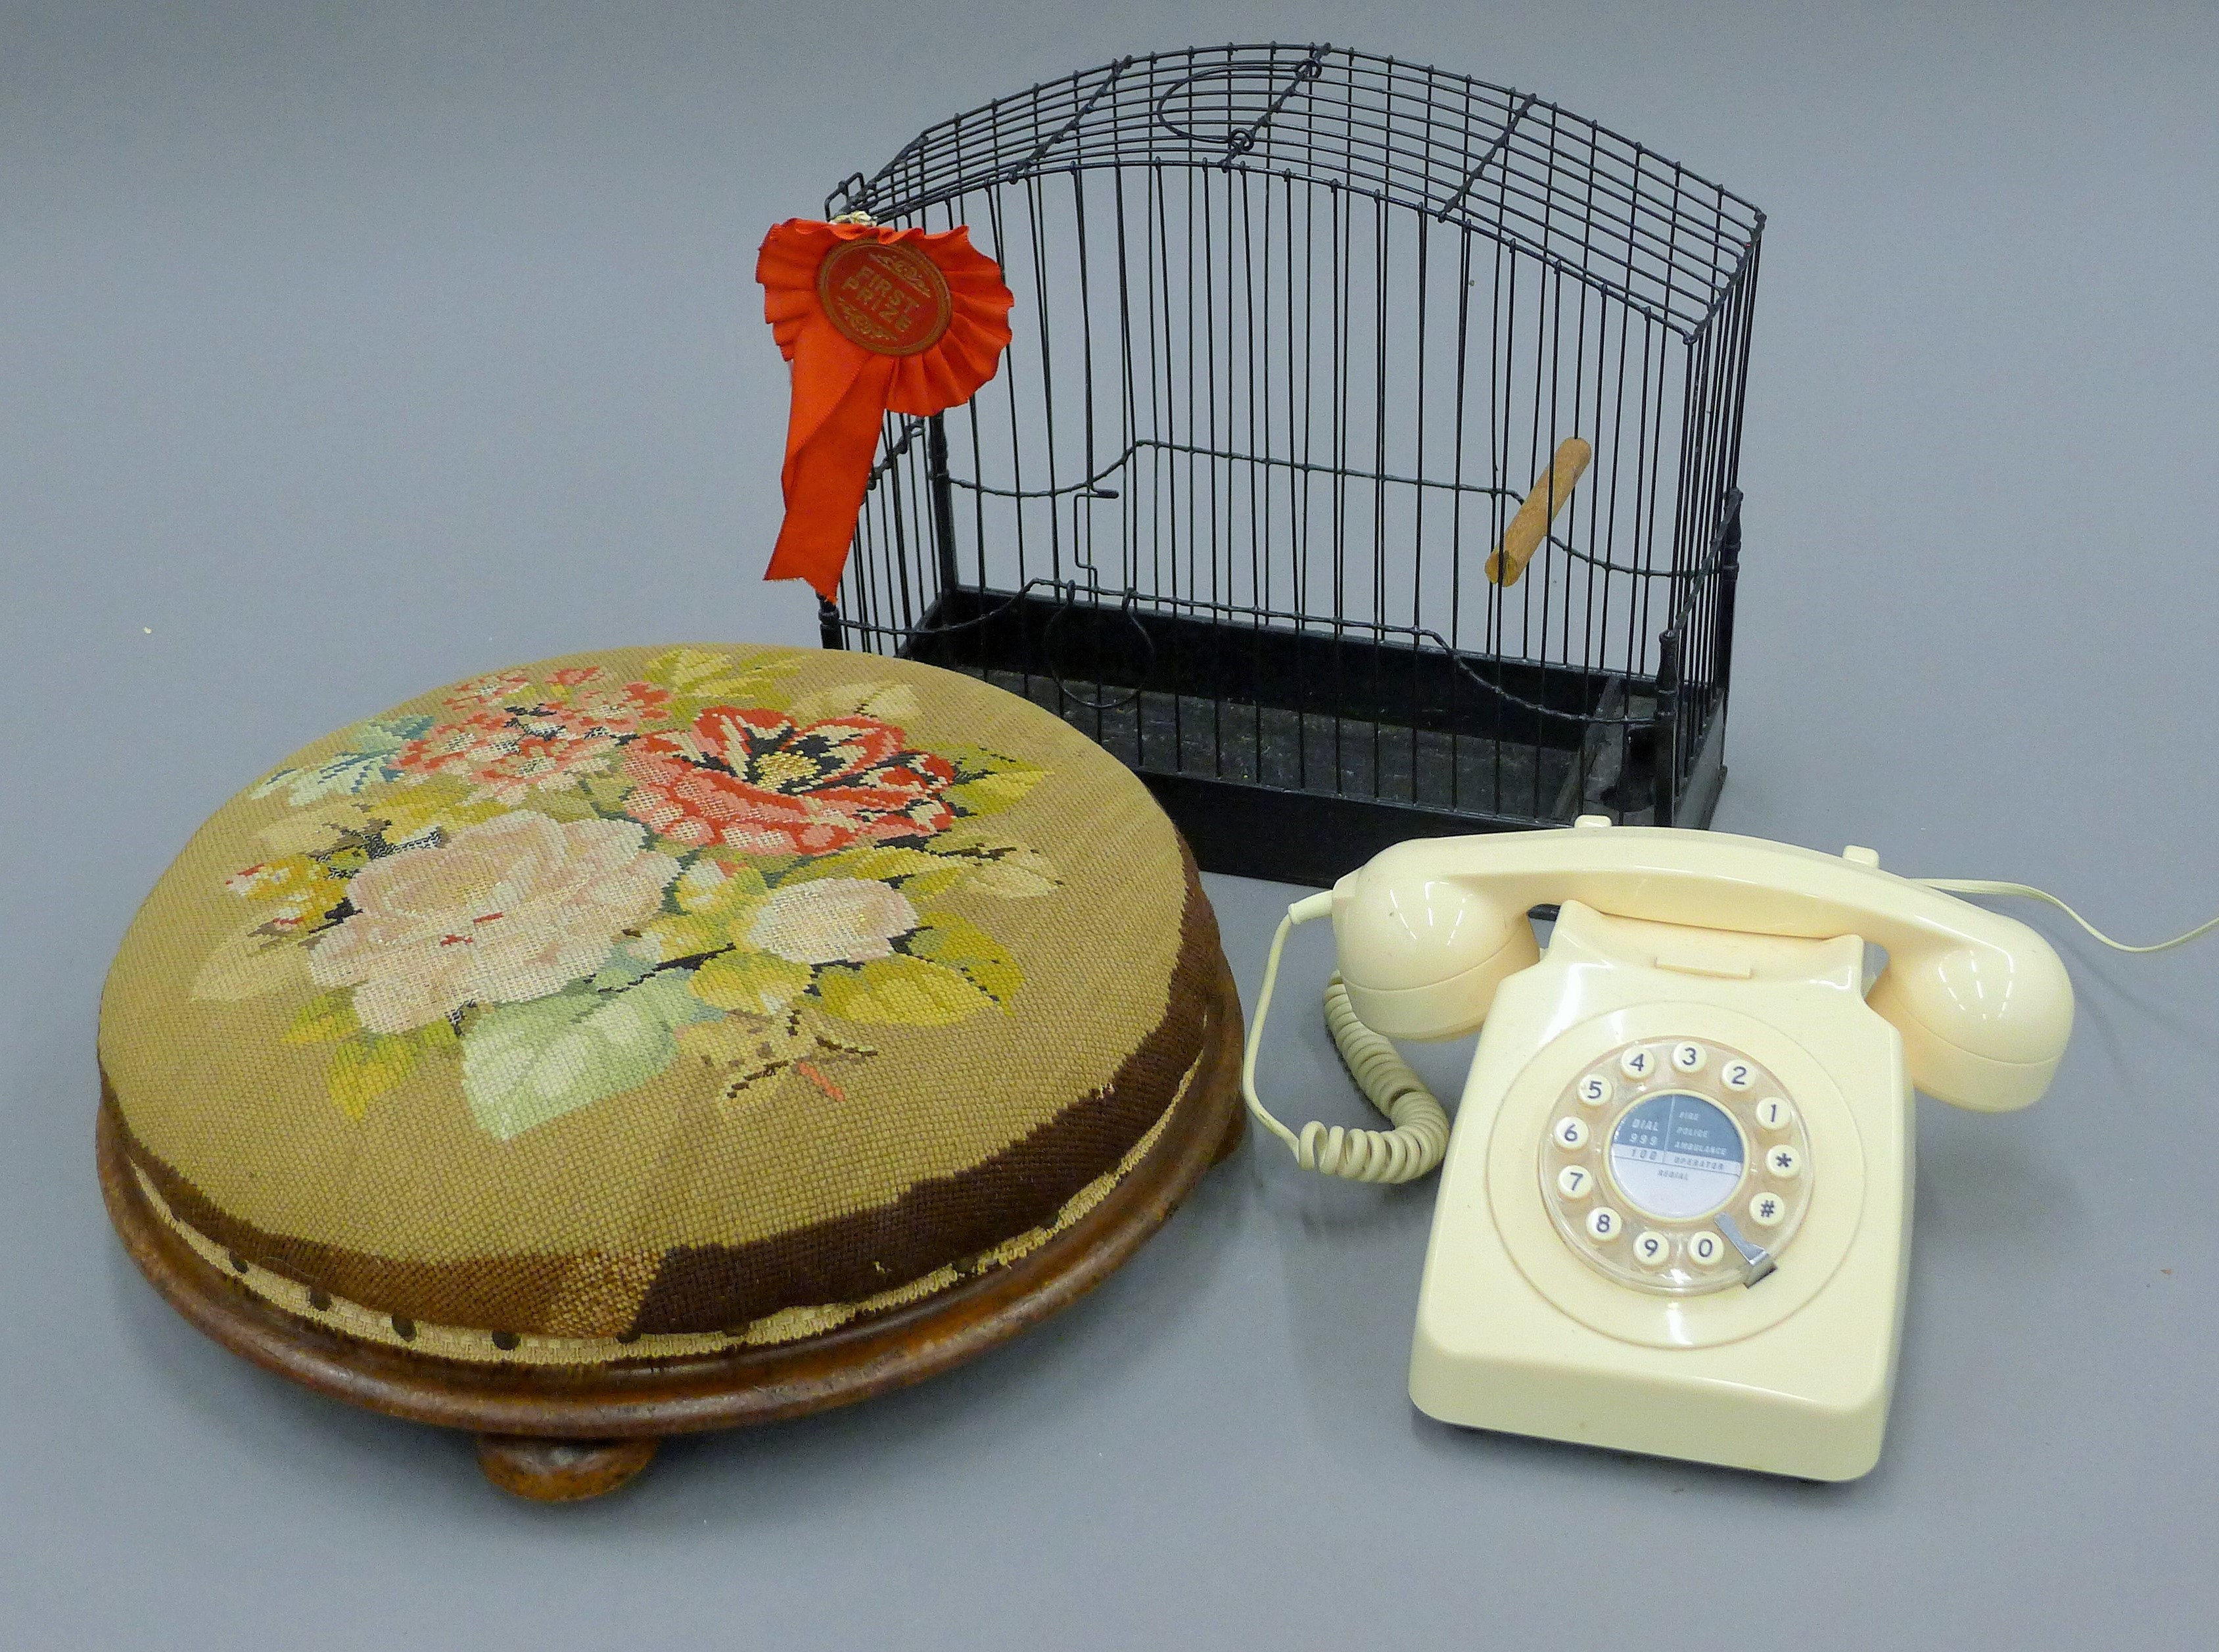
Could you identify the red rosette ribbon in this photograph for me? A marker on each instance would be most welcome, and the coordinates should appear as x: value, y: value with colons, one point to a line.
x: 874, y: 319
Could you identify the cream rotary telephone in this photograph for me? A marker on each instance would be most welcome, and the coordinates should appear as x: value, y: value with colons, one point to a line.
x: 1674, y: 1210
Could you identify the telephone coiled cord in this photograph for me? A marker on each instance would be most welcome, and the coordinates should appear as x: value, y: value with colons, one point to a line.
x: 1420, y: 1134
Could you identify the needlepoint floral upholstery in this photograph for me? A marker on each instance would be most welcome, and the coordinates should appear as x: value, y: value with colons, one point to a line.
x: 657, y: 1001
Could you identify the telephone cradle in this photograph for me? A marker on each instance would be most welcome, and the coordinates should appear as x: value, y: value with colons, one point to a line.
x: 1675, y: 1208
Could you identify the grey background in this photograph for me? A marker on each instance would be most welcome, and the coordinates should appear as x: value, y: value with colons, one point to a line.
x: 346, y: 350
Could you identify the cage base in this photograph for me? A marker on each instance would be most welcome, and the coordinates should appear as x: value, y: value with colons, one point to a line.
x: 1310, y: 751
x: 1302, y: 797
x: 1296, y: 754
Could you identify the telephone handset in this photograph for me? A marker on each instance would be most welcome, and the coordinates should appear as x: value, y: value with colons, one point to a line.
x: 1674, y: 1210
x: 1429, y: 929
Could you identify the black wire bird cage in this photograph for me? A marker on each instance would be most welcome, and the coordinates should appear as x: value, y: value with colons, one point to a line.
x: 1312, y: 349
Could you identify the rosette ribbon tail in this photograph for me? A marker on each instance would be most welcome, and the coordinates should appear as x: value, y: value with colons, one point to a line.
x: 873, y: 320
x: 831, y: 438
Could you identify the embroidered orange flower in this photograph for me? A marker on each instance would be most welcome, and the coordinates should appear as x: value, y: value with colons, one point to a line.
x: 490, y: 689
x: 519, y: 739
x: 752, y: 778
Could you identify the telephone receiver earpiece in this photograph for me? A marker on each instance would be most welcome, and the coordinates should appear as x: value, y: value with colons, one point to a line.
x: 1422, y: 954
x: 1983, y: 1027
x: 1430, y: 929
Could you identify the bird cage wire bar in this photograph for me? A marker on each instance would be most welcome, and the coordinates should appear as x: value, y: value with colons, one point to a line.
x: 1296, y: 330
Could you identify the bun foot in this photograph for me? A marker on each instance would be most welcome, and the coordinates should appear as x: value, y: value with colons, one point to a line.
x: 561, y: 1471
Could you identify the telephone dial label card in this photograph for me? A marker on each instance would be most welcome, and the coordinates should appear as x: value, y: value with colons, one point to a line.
x: 1686, y: 1179
x: 1676, y: 1156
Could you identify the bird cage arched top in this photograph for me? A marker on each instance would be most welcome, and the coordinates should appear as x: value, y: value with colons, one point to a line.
x: 1487, y: 159
x: 1365, y: 462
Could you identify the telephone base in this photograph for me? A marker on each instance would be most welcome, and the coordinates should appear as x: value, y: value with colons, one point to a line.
x: 1696, y: 1419
x: 1533, y: 1321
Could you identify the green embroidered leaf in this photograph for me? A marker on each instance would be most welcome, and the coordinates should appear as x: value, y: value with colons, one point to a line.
x: 747, y: 683
x: 916, y: 871
x: 1013, y: 872
x: 681, y: 667
x: 937, y: 879
x: 971, y: 763
x: 405, y: 815
x: 248, y: 965
x: 525, y: 1064
x: 698, y: 680
x: 365, y: 1066
x: 901, y: 991
x: 324, y: 1019
x: 710, y: 905
x: 625, y: 965
x: 703, y: 892
x: 687, y: 937
x: 756, y: 982
x: 957, y: 943
x: 442, y: 805
x: 887, y: 702
x: 607, y: 792
x: 564, y: 805
x: 718, y: 857
x: 345, y: 860
x: 360, y: 1074
x: 872, y: 862
x: 989, y: 796
x: 716, y: 910
x: 897, y: 703
x: 986, y: 781
x: 317, y: 831
x: 362, y: 765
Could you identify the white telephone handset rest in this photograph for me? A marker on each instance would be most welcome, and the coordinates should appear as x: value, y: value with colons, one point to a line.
x: 1429, y: 929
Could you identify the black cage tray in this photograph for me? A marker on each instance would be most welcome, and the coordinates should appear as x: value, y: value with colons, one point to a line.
x: 1298, y: 755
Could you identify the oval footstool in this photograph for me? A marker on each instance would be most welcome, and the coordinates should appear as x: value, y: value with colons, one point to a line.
x: 656, y: 1040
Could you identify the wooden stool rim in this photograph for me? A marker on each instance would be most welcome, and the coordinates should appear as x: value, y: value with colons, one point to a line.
x: 696, y: 1392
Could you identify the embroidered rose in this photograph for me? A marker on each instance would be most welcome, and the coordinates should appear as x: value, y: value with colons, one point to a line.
x: 833, y: 921
x: 516, y: 739
x: 511, y: 908
x: 754, y: 779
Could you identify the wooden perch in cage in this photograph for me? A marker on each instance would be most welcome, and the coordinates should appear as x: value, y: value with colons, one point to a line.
x: 1551, y: 489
